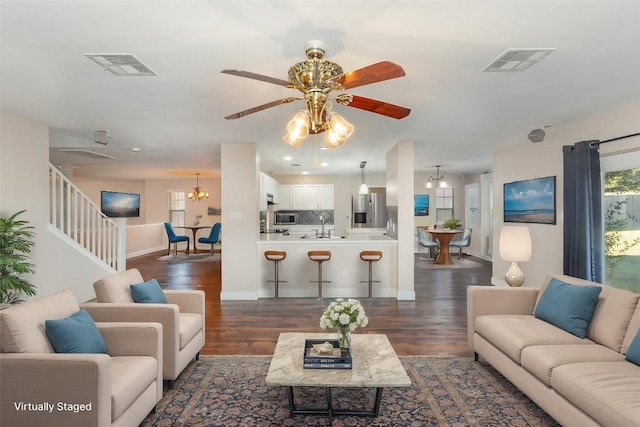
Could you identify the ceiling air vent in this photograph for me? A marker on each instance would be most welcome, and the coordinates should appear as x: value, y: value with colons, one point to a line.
x: 120, y: 64
x: 518, y: 59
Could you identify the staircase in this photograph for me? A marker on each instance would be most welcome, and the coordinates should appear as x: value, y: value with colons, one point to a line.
x: 77, y: 217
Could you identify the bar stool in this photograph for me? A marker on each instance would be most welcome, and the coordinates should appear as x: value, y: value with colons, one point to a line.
x: 276, y: 257
x: 370, y: 257
x: 320, y: 257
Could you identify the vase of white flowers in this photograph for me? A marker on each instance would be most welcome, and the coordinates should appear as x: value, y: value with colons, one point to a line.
x: 346, y: 316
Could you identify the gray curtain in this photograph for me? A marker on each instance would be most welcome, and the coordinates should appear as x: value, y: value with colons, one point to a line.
x: 583, y: 223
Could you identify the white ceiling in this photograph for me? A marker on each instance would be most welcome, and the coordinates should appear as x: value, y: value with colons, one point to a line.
x: 459, y: 113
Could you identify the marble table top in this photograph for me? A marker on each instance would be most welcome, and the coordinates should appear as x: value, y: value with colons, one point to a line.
x: 375, y: 363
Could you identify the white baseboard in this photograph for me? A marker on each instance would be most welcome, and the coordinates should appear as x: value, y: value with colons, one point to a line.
x: 238, y: 295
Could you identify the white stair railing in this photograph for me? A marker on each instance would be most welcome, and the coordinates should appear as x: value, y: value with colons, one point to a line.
x: 75, y: 215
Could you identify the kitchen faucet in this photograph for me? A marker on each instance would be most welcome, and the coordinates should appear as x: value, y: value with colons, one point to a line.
x: 322, y: 222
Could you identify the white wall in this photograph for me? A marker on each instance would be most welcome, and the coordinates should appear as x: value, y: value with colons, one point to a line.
x: 240, y: 185
x: 526, y: 160
x: 400, y: 185
x: 24, y: 185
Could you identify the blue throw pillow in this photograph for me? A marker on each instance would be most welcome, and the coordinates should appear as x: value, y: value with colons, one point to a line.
x: 633, y: 354
x: 148, y: 292
x: 77, y: 333
x: 569, y: 307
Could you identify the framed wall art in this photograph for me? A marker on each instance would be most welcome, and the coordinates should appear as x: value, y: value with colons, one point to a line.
x: 421, y: 205
x: 531, y: 201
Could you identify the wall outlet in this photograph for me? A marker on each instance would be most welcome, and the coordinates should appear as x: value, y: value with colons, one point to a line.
x: 345, y: 274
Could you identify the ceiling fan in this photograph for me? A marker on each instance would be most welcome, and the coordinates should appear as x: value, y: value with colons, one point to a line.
x: 317, y: 78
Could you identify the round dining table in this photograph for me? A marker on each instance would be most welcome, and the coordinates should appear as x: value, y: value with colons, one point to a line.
x: 444, y: 237
x: 194, y: 229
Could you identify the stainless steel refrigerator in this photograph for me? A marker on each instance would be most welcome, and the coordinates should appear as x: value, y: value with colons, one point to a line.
x: 369, y: 210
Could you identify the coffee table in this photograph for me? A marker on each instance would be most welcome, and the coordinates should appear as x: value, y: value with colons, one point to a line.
x: 375, y: 364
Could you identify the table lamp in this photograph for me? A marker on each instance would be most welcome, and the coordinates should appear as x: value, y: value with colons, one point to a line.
x: 515, y: 246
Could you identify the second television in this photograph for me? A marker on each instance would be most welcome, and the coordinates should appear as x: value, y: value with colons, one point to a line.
x: 120, y: 205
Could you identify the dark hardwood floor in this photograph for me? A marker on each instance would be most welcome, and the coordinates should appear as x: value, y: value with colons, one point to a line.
x: 434, y: 324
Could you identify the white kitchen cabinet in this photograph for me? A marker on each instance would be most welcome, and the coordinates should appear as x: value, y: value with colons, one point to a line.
x: 298, y: 197
x: 325, y: 197
x: 268, y: 185
x: 305, y: 197
x: 284, y: 197
x: 262, y: 193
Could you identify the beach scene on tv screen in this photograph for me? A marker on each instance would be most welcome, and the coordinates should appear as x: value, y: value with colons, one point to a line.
x: 530, y: 201
x: 120, y: 205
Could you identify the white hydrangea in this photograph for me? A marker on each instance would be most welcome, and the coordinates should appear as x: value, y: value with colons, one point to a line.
x: 341, y: 312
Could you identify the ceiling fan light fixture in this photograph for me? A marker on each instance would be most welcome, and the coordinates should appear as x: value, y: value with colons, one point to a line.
x: 341, y: 127
x: 332, y: 139
x: 298, y: 127
x: 291, y: 140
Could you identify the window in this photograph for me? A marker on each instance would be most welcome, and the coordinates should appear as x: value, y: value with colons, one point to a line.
x: 176, y: 208
x: 444, y: 204
x: 622, y: 228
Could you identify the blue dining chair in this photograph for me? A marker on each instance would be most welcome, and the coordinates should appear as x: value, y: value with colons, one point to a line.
x: 464, y: 242
x: 426, y: 242
x: 214, y: 236
x: 173, y: 238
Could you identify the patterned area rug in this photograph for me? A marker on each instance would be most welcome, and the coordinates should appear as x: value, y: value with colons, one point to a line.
x: 446, y: 391
x: 422, y: 261
x: 190, y: 258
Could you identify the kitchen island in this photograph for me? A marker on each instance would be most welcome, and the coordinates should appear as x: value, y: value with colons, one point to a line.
x: 347, y: 273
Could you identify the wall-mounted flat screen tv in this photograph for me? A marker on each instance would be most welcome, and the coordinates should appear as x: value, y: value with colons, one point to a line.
x: 120, y: 205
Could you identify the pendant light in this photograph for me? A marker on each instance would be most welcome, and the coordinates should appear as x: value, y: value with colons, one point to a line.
x: 363, y: 186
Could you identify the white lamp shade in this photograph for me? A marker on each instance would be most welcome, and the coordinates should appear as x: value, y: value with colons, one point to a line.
x: 363, y: 189
x: 515, y: 243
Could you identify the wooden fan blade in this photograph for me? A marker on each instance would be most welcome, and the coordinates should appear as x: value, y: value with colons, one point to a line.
x: 379, y: 107
x: 250, y: 75
x: 378, y: 72
x: 260, y: 108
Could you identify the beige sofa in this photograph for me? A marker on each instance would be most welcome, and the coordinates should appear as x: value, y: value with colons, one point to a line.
x: 579, y: 382
x: 182, y: 319
x: 117, y: 389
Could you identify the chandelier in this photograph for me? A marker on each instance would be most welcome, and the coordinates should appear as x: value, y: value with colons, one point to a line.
x: 197, y: 194
x: 438, y: 181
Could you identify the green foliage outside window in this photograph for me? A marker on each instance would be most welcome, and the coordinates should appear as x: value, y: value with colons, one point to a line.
x: 619, y: 239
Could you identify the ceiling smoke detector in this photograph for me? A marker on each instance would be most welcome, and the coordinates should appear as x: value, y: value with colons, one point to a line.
x: 537, y: 135
x: 102, y: 137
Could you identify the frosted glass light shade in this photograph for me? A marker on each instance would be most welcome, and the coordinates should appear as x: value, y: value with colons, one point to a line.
x: 342, y: 128
x: 515, y: 243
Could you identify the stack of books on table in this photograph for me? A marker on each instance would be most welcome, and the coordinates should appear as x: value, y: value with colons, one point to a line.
x: 334, y: 358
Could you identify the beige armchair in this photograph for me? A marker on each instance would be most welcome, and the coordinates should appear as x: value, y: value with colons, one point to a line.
x: 182, y: 318
x: 119, y: 388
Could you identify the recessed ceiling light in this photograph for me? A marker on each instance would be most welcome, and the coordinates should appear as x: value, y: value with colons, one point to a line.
x: 135, y: 149
x: 324, y: 164
x: 287, y: 158
x: 305, y: 173
x: 324, y: 148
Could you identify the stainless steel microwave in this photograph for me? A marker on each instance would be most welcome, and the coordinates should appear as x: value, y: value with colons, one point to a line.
x: 286, y: 218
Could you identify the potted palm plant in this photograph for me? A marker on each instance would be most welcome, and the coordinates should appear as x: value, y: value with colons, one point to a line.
x: 15, y: 246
